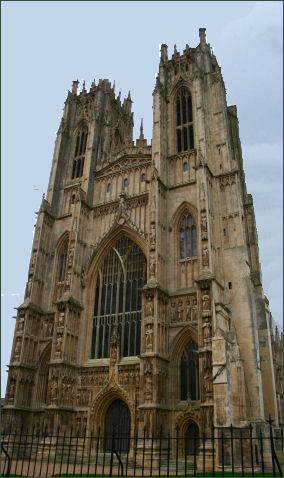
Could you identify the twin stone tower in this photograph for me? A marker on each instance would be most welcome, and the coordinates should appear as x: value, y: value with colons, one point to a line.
x: 144, y: 303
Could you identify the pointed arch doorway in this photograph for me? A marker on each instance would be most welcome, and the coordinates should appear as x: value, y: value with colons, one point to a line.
x: 117, y: 426
x: 191, y: 439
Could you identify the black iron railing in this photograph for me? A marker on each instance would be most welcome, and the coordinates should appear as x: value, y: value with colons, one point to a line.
x: 223, y: 452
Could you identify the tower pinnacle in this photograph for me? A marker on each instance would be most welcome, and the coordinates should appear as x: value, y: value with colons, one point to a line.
x: 141, y: 137
x: 202, y: 35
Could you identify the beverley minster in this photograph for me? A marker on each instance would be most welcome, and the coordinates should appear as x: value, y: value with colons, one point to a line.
x: 144, y: 307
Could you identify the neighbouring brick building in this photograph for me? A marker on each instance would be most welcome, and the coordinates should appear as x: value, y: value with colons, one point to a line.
x: 144, y: 302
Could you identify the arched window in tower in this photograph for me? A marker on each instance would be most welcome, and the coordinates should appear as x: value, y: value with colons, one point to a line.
x: 184, y: 121
x: 189, y: 381
x: 118, y: 299
x: 187, y: 237
x: 62, y: 259
x: 80, y: 150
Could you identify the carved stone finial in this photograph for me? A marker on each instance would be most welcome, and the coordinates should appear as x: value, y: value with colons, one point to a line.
x: 141, y: 130
x: 202, y: 35
x: 75, y: 85
x: 84, y: 87
x: 164, y: 52
x: 175, y: 50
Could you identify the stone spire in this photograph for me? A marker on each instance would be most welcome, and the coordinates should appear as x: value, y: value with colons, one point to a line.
x: 141, y: 142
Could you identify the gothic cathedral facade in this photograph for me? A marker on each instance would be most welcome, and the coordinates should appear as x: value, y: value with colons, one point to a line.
x: 144, y: 297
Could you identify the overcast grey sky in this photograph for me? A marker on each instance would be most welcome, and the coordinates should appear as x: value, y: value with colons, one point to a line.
x: 46, y: 45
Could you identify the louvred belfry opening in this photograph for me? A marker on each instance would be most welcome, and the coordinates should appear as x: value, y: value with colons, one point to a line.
x: 118, y: 299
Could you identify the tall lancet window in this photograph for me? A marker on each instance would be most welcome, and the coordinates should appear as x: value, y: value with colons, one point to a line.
x: 187, y: 237
x: 189, y: 383
x: 184, y: 121
x: 118, y: 299
x: 62, y: 259
x: 80, y: 150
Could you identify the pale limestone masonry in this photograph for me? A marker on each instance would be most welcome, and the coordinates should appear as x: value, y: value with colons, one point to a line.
x: 213, y: 297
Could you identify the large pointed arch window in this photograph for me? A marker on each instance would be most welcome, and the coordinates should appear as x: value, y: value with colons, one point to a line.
x: 187, y: 237
x: 80, y: 150
x: 184, y: 121
x: 118, y: 299
x: 189, y: 382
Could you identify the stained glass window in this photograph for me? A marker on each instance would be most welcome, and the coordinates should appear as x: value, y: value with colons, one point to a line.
x: 80, y: 150
x: 189, y: 383
x: 184, y: 120
x: 118, y: 299
x: 188, y: 237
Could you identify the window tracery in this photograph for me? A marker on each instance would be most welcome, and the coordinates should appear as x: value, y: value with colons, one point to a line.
x: 118, y: 299
x: 62, y: 259
x: 80, y: 150
x: 187, y: 237
x: 184, y: 120
x: 189, y: 380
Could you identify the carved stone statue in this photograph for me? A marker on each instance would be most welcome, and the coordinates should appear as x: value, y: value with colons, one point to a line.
x: 194, y: 310
x: 205, y: 256
x: 148, y: 381
x: 21, y: 324
x: 149, y: 308
x: 173, y: 311
x: 53, y: 390
x: 180, y: 311
x: 203, y: 226
x: 58, y: 345
x: 61, y: 319
x: 18, y: 347
x: 206, y: 303
x: 149, y: 338
x: 11, y: 390
x: 188, y: 310
x: 152, y: 267
x: 207, y: 329
x: 152, y: 237
x: 208, y: 385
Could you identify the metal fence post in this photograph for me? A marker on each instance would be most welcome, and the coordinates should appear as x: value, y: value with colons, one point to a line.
x: 232, y: 449
x: 177, y: 433
x: 213, y: 450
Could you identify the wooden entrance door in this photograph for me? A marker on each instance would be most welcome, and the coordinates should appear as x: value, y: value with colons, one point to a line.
x: 117, y: 427
x: 191, y: 439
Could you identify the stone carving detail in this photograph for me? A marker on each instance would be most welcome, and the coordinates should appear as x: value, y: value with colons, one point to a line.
x: 152, y: 267
x: 149, y: 338
x: 114, y: 353
x: 148, y: 373
x: 184, y: 309
x: 47, y: 328
x: 59, y: 337
x: 207, y: 375
x: 11, y: 390
x: 205, y: 256
x: 180, y: 311
x: 149, y: 306
x: 18, y: 348
x: 206, y: 302
x: 53, y: 390
x: 203, y: 220
x: 207, y: 329
x: 58, y: 345
x: 152, y: 237
x: 21, y: 323
x: 227, y: 180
